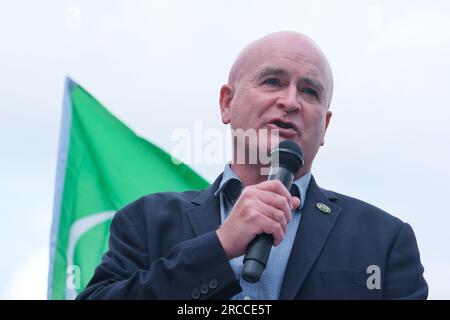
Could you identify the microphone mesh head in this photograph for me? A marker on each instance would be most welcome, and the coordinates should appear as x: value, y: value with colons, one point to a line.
x: 289, y: 155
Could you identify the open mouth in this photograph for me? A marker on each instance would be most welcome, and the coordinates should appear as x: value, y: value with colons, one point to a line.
x: 283, y: 125
x: 285, y: 129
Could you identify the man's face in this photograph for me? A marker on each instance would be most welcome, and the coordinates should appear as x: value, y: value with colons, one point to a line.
x: 286, y: 89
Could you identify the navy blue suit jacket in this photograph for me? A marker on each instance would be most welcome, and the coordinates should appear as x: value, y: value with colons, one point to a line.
x: 164, y: 246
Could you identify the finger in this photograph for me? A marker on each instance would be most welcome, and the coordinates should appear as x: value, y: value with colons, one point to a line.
x: 275, y: 200
x: 275, y: 214
x: 274, y: 186
x: 295, y: 201
x: 271, y: 227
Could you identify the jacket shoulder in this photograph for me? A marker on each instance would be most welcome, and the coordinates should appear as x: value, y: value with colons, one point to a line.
x: 161, y: 204
x: 363, y: 209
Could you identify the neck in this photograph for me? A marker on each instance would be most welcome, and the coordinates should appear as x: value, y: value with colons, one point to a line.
x: 251, y: 174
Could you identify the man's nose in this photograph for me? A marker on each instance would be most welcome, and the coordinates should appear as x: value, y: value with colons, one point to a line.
x: 289, y: 99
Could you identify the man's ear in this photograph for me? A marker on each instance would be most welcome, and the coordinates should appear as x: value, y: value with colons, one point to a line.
x: 226, y: 95
x: 327, y: 122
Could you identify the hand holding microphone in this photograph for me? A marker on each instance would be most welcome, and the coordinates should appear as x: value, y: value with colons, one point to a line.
x: 260, y: 216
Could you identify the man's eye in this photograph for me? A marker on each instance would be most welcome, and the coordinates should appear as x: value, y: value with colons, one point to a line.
x: 310, y: 92
x: 272, y: 82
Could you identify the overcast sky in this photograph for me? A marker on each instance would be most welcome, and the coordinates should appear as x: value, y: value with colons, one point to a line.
x: 158, y: 66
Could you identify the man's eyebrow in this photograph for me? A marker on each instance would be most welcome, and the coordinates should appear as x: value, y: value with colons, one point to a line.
x: 270, y: 71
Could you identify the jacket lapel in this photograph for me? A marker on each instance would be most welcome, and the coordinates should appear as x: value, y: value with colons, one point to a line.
x: 204, y: 215
x: 311, y: 236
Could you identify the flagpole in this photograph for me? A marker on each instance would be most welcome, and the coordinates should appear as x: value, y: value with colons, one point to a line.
x: 64, y: 136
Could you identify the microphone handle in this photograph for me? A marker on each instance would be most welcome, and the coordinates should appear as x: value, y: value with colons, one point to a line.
x: 258, y: 251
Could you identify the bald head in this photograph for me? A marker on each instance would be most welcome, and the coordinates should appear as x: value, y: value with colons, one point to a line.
x: 284, y: 41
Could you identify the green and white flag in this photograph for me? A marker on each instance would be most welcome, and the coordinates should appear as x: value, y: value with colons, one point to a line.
x: 102, y: 166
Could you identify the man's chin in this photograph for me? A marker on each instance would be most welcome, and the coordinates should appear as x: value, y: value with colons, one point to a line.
x: 258, y: 147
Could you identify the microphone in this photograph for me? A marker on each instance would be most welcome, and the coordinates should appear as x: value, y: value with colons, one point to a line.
x: 285, y: 161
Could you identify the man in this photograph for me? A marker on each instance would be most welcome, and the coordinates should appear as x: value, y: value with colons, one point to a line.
x: 326, y: 245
